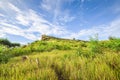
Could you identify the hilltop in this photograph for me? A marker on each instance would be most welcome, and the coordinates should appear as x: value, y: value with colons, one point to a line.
x: 47, y: 37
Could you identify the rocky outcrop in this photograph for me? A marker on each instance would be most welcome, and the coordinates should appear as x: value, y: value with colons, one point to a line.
x: 45, y: 37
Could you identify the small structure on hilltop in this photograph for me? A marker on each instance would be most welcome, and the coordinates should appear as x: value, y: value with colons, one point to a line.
x: 47, y: 38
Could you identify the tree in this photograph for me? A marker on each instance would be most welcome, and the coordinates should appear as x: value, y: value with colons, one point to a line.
x: 6, y: 42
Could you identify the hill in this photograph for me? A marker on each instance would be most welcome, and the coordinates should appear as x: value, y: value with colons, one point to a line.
x: 54, y: 58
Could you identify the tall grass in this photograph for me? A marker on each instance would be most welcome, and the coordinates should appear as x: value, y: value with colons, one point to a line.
x: 62, y: 60
x: 58, y: 67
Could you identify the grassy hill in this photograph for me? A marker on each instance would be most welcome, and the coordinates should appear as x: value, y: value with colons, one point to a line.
x: 54, y: 58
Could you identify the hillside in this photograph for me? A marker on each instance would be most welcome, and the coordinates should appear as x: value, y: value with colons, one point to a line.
x: 54, y: 58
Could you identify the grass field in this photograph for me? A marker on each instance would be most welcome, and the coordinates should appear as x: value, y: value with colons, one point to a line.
x: 57, y: 59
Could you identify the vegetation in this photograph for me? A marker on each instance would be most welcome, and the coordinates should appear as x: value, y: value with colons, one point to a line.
x: 8, y: 43
x: 62, y: 59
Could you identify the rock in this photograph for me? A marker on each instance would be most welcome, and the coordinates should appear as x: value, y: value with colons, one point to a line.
x: 24, y: 58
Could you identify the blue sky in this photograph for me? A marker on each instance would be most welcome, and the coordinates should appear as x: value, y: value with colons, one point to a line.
x: 26, y: 20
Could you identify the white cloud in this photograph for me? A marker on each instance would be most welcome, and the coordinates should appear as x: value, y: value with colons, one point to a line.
x: 37, y: 23
x: 104, y: 31
x: 55, y: 8
x: 33, y: 23
x: 11, y: 29
x: 66, y: 18
x: 14, y: 30
x: 46, y: 5
x: 113, y: 28
x: 14, y: 8
x: 2, y: 33
x: 22, y: 20
x: 49, y: 5
x: 2, y: 15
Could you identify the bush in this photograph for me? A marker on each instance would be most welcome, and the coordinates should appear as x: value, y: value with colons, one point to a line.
x: 95, y: 47
x: 112, y: 44
x: 115, y: 44
x: 79, y: 51
x: 6, y: 42
x: 62, y: 47
x: 4, y: 58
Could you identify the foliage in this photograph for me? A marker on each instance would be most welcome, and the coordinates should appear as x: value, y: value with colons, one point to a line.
x: 112, y: 38
x: 3, y: 56
x: 112, y: 44
x: 94, y: 46
x: 56, y: 59
x: 6, y: 42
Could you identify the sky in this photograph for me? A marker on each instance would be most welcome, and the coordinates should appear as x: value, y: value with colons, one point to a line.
x: 25, y: 21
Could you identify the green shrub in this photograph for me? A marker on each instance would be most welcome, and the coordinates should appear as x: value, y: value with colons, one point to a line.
x: 4, y: 58
x: 62, y: 47
x: 115, y: 44
x: 6, y: 42
x: 94, y: 46
x: 79, y: 51
x: 112, y: 44
x: 2, y: 48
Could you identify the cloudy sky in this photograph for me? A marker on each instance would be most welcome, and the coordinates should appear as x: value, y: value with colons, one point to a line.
x: 26, y: 20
